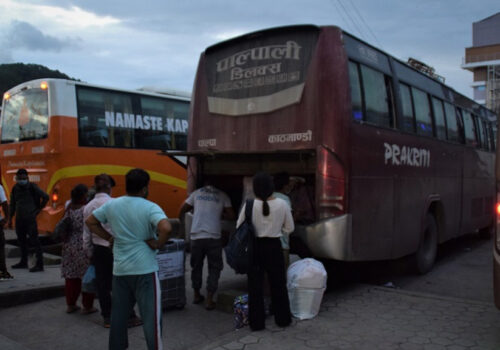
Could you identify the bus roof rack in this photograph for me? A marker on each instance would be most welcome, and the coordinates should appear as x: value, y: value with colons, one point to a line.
x: 425, y: 68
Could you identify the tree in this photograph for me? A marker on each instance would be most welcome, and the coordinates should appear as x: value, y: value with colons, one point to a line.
x: 16, y: 73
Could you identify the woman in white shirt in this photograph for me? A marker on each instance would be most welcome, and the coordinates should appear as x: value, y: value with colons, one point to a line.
x: 271, y: 218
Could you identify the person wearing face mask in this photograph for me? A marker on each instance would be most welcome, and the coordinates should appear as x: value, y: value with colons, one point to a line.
x: 140, y: 228
x: 26, y: 202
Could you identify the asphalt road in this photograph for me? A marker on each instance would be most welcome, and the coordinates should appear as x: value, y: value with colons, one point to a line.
x: 463, y: 269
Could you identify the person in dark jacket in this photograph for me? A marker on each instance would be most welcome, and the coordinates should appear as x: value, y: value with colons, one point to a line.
x: 26, y: 202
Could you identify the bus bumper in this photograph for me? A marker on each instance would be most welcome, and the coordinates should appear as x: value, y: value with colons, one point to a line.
x: 328, y: 238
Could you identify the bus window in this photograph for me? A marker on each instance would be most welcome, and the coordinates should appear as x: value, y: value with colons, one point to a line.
x: 486, y: 135
x: 356, y: 102
x: 376, y: 97
x: 116, y: 119
x: 174, y: 133
x: 94, y: 129
x: 407, y: 108
x: 437, y: 106
x: 422, y: 112
x: 493, y: 135
x: 469, y: 129
x: 451, y: 123
x: 25, y: 116
x: 483, y: 141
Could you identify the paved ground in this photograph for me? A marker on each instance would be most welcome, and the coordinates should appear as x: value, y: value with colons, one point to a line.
x: 45, y: 325
x: 356, y: 316
x: 365, y: 317
x: 464, y: 270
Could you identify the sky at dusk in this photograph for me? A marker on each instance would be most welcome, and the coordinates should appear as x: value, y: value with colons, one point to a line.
x: 132, y: 44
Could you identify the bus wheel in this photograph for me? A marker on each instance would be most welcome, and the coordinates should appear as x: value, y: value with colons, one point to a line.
x: 427, y: 250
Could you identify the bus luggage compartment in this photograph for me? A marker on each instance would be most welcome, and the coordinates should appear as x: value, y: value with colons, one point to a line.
x: 232, y: 173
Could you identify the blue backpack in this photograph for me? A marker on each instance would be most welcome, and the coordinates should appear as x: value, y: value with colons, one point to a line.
x: 239, y: 248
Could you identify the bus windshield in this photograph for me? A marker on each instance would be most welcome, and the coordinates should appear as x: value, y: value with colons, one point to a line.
x: 25, y: 116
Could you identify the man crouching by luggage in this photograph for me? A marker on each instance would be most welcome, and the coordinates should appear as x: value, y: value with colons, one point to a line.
x: 134, y: 221
x: 208, y: 204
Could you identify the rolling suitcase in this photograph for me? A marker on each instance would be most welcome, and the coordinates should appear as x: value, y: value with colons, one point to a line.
x: 171, y: 260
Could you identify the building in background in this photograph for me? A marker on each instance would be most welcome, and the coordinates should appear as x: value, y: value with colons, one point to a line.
x: 483, y: 59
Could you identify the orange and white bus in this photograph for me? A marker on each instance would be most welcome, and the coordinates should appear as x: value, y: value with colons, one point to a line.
x: 65, y: 132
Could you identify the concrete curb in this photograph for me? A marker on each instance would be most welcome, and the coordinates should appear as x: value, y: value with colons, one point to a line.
x: 27, y: 296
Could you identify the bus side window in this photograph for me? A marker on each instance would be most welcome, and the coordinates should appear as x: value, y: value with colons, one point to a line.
x: 451, y: 123
x: 437, y: 106
x: 376, y: 99
x: 407, y: 108
x: 422, y: 112
x: 486, y: 135
x: 469, y: 129
x: 356, y: 98
x: 460, y: 123
x: 482, y: 141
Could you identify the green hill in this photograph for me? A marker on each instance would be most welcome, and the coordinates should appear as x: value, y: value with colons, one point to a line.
x: 16, y: 73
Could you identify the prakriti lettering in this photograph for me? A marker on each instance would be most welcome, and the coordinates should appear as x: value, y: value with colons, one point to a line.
x: 406, y: 155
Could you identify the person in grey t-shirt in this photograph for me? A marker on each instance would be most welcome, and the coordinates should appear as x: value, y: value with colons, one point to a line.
x: 208, y: 204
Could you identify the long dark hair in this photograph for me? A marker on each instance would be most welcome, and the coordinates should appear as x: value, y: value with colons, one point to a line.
x: 78, y: 196
x: 263, y: 188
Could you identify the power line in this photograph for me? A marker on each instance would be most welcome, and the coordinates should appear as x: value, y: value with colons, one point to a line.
x: 364, y: 22
x: 347, y: 25
x: 352, y: 20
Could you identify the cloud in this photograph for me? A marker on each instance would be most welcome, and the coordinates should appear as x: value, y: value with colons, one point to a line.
x: 23, y: 35
x: 6, y: 56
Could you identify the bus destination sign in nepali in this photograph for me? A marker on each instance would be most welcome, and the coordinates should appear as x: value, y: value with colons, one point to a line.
x: 248, y: 72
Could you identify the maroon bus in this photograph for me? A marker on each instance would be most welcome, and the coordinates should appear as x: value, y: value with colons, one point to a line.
x: 388, y: 161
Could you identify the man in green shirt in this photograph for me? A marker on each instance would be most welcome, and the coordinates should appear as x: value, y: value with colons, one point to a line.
x: 140, y: 228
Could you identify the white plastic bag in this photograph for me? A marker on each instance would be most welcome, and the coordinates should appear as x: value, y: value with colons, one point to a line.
x: 306, y: 283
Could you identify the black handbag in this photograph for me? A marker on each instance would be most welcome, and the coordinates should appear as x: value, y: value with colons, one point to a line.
x: 62, y: 229
x: 239, y: 248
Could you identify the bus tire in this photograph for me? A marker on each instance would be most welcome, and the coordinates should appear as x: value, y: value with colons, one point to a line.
x: 427, y: 249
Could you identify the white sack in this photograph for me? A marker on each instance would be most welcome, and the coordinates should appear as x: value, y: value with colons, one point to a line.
x: 306, y: 283
x: 306, y: 273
